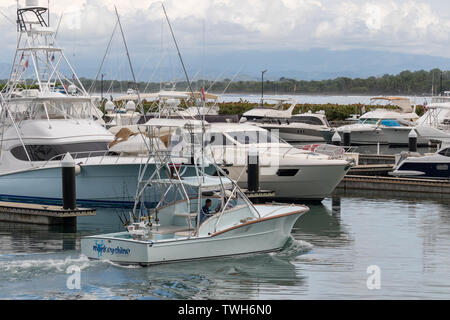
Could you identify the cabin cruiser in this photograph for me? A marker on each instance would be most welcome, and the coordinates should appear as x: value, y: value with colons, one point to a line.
x: 201, y: 217
x: 435, y: 166
x: 303, y: 127
x: 290, y: 172
x: 370, y: 126
x: 434, y: 125
x: 40, y: 125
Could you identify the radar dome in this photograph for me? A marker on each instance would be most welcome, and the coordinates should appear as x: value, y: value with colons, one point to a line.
x: 131, y: 106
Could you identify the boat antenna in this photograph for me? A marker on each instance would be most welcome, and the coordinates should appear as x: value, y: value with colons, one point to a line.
x: 129, y: 61
x: 104, y: 57
x: 178, y: 49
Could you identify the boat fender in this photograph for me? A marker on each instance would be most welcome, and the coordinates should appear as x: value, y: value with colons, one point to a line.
x: 77, y: 169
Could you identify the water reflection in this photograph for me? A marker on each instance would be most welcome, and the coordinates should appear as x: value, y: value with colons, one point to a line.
x: 321, y: 227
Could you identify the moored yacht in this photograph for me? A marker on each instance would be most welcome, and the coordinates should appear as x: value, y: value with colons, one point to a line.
x: 435, y: 166
x: 40, y: 125
x: 369, y: 129
x: 302, y: 127
x: 290, y: 172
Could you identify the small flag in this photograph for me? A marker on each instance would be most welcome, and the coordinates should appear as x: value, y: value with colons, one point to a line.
x: 26, y: 64
x: 203, y: 94
x: 53, y: 58
x: 23, y: 55
x: 73, y: 76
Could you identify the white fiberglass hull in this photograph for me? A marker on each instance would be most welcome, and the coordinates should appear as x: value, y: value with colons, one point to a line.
x: 96, y: 185
x: 366, y: 136
x: 264, y: 235
x: 425, y: 134
x: 312, y: 182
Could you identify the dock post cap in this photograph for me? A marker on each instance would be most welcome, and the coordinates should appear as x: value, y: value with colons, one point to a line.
x: 336, y: 137
x: 67, y: 161
x: 347, y: 129
x: 412, y: 134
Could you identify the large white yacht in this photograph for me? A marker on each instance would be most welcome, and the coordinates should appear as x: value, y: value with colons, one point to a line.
x: 369, y: 129
x: 290, y: 172
x: 41, y: 124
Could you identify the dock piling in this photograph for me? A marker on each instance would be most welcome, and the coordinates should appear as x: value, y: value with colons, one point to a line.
x: 253, y: 171
x: 412, y: 141
x: 68, y: 183
x: 336, y: 139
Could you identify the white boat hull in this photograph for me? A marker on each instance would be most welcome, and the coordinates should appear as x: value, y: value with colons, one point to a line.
x: 265, y: 235
x: 311, y: 183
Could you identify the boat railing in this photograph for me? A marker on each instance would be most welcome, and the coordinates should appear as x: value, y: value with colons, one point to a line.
x: 87, y: 155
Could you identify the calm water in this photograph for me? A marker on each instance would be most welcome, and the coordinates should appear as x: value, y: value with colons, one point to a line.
x: 408, y: 239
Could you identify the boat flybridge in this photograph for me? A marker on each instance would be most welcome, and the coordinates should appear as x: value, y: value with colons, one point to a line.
x: 197, y: 217
x: 371, y: 125
x: 45, y: 113
x: 164, y: 104
x: 290, y: 172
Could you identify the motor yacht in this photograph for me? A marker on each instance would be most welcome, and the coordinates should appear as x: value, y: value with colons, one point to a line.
x: 292, y: 173
x: 371, y: 125
x: 435, y: 166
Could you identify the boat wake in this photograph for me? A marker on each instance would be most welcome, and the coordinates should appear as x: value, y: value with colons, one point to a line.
x: 294, y: 248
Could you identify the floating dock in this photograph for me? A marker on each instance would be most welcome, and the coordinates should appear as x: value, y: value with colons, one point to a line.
x: 369, y: 159
x: 371, y: 170
x: 430, y: 186
x: 41, y: 214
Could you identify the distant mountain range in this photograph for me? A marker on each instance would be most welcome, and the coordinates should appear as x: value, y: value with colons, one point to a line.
x: 313, y: 64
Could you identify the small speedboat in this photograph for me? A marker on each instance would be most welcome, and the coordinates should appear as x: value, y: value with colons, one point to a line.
x: 197, y: 217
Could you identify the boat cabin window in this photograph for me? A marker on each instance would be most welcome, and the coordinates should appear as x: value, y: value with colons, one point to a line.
x: 307, y: 120
x: 251, y: 137
x: 445, y: 152
x: 368, y: 121
x: 52, y: 110
x: 57, y: 152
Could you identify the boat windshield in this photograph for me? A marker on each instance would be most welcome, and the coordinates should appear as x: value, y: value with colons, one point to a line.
x: 368, y: 121
x: 307, y: 120
x: 253, y: 137
x: 51, y: 109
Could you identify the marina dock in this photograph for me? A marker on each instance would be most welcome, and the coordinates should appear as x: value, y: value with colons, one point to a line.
x: 413, y: 185
x: 41, y: 214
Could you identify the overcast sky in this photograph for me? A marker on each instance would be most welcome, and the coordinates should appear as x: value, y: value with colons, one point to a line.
x: 210, y: 26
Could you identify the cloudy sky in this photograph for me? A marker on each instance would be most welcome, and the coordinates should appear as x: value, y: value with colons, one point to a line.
x: 222, y: 28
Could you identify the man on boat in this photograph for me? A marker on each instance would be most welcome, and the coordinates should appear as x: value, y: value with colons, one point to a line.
x: 206, y: 210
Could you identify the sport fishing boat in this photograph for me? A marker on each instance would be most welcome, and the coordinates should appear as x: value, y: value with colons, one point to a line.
x: 200, y: 217
x: 45, y: 114
x: 435, y: 166
x: 371, y: 125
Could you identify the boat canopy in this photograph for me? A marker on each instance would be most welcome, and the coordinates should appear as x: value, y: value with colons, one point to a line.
x: 403, y: 102
x: 165, y: 95
x: 176, y: 123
